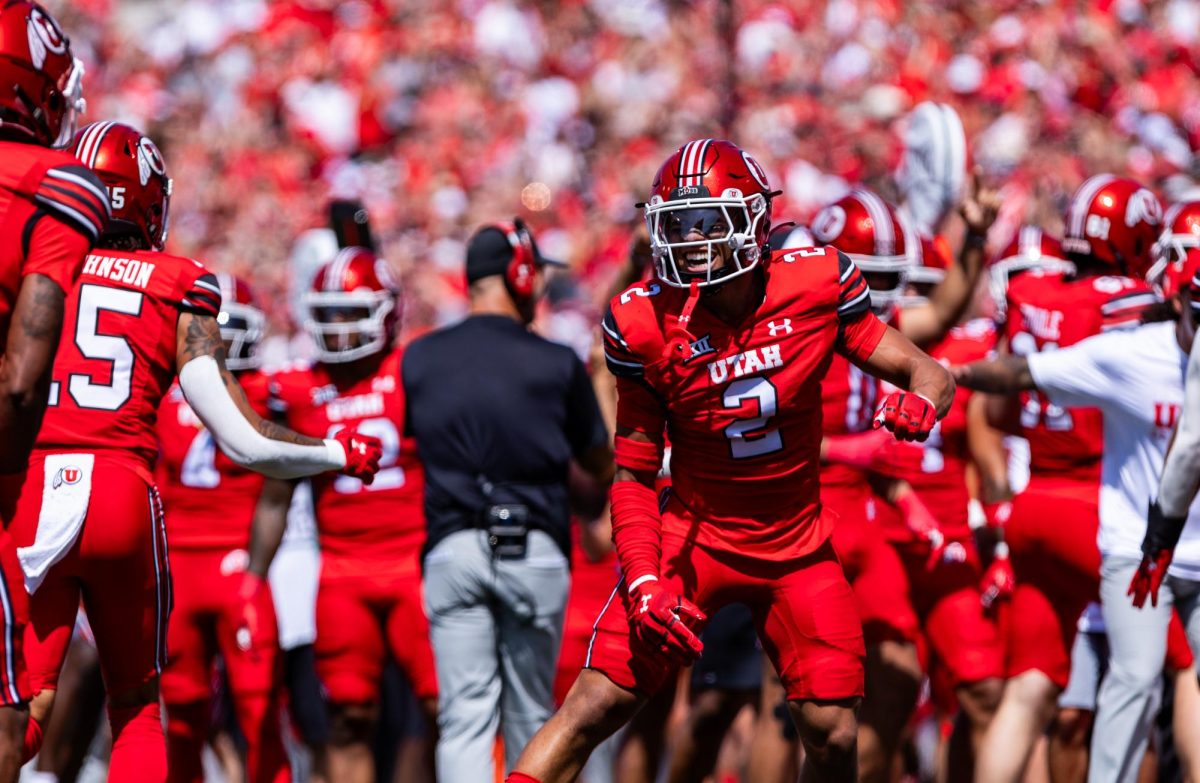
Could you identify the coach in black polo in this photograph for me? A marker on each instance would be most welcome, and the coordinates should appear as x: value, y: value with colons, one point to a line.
x: 498, y: 413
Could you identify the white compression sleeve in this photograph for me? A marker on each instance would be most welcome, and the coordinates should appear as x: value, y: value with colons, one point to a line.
x: 1181, y: 472
x: 201, y: 382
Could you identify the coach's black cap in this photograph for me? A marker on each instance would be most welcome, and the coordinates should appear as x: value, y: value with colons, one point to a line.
x: 490, y: 252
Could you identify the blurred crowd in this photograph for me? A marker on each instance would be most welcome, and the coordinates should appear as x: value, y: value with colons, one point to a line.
x: 443, y: 115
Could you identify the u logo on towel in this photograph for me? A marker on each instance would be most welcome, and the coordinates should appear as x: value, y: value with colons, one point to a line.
x: 67, y: 475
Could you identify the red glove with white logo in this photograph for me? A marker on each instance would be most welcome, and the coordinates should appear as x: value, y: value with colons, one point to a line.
x: 251, y: 593
x: 363, y: 453
x: 908, y: 415
x: 660, y: 619
x: 998, y: 581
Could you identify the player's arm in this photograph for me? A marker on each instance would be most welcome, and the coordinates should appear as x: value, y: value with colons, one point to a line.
x: 929, y: 322
x: 269, y: 524
x: 1001, y: 375
x: 1181, y: 471
x: 25, y: 367
x: 247, y: 438
x: 986, y: 445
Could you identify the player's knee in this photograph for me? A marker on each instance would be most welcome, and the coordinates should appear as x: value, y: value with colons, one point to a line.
x: 1035, y: 692
x: 829, y: 731
x: 594, y: 709
x: 13, y: 722
x: 979, y: 700
x: 351, y: 724
x: 1071, y: 727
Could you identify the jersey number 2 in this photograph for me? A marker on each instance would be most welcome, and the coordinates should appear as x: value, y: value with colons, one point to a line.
x: 750, y: 437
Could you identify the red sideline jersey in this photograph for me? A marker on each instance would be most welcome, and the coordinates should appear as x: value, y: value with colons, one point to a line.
x: 383, y: 522
x: 1050, y: 310
x: 52, y: 210
x: 209, y: 500
x: 743, y: 412
x: 941, y: 480
x: 117, y: 356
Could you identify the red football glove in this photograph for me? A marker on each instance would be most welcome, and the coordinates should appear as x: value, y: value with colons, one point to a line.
x: 920, y: 520
x: 908, y: 415
x: 251, y: 593
x: 660, y: 620
x: 998, y: 581
x: 997, y: 513
x: 1148, y: 578
x: 363, y: 453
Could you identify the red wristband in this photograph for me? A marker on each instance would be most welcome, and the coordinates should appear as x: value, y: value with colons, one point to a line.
x: 638, y: 456
x: 636, y: 529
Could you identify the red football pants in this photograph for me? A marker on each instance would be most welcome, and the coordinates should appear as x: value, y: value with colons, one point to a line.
x: 803, y: 611
x: 365, y: 611
x: 1051, y: 537
x: 119, y: 567
x: 881, y: 589
x: 204, y: 623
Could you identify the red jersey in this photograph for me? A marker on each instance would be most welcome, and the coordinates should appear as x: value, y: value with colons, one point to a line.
x: 1050, y: 310
x: 52, y: 210
x: 117, y: 356
x: 209, y: 500
x: 849, y: 398
x: 941, y: 480
x: 382, y: 522
x: 743, y: 411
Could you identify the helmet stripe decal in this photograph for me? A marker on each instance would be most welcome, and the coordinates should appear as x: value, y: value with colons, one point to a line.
x: 91, y: 146
x: 881, y: 219
x: 1077, y: 214
x: 337, y: 270
x: 83, y: 150
x: 691, y: 162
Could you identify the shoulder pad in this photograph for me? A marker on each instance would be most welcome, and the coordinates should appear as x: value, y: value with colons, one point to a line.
x: 633, y: 326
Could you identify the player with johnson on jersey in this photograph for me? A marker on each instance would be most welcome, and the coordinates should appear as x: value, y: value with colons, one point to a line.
x: 89, y: 519
x: 724, y: 355
x: 52, y: 209
x: 369, y: 595
x: 219, y: 606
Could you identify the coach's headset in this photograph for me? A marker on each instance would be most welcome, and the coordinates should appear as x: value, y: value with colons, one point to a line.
x: 521, y: 271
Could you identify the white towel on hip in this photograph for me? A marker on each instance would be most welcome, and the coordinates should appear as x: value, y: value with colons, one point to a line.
x: 65, y: 495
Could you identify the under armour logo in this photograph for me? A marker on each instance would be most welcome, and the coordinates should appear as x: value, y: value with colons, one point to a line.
x: 645, y: 604
x: 784, y: 326
x: 700, y: 346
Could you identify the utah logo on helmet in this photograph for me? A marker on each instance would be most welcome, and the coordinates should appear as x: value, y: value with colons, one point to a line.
x: 41, y: 82
x: 869, y: 230
x: 131, y: 167
x: 352, y: 310
x: 709, y: 214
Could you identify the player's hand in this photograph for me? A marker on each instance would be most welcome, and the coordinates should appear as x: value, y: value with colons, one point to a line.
x: 980, y: 205
x: 1158, y: 547
x: 251, y: 594
x: 660, y: 619
x: 907, y: 415
x: 363, y: 453
x: 998, y: 581
x: 997, y: 514
x: 920, y: 520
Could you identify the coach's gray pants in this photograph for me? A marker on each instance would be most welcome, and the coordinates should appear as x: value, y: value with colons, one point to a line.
x: 1137, y: 641
x: 496, y: 626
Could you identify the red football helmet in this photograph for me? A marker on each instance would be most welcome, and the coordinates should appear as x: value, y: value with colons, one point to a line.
x: 1031, y: 248
x: 1115, y: 221
x: 712, y: 189
x: 1181, y: 232
x: 869, y: 230
x: 131, y: 167
x: 241, y: 323
x: 352, y: 310
x: 41, y: 82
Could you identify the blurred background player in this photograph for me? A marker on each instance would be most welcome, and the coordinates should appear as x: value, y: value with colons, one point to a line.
x: 369, y: 595
x: 1112, y: 224
x: 137, y: 318
x: 220, y: 608
x: 52, y: 210
x: 871, y: 232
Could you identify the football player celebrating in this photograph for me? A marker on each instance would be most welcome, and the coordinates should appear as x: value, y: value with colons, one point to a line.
x: 210, y: 503
x: 52, y: 210
x: 723, y: 353
x: 369, y: 595
x: 89, y: 519
x: 1112, y: 224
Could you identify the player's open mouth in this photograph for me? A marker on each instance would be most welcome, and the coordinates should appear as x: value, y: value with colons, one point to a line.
x: 696, y: 261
